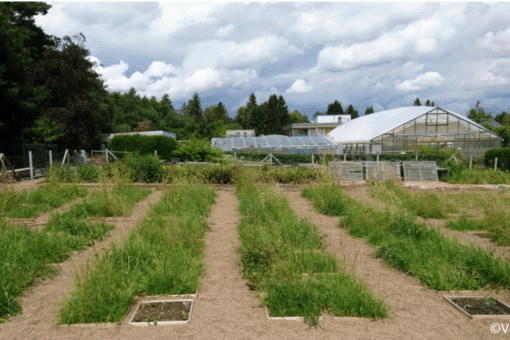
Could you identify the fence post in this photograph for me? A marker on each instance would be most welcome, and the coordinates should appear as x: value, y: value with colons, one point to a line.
x: 156, y: 152
x: 31, y: 165
x: 106, y: 154
x: 312, y: 158
x: 68, y: 156
x: 65, y: 154
x: 377, y: 158
x: 345, y: 157
x: 496, y: 164
x: 51, y: 159
x: 470, y: 161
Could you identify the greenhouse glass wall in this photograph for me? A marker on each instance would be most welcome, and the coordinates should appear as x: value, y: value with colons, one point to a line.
x: 406, y: 128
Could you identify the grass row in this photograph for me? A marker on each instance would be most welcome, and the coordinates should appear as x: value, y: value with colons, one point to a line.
x: 30, y: 204
x: 163, y: 255
x: 277, y: 248
x: 440, y: 262
x: 494, y: 216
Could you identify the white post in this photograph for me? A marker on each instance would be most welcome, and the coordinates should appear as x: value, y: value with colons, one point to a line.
x: 156, y: 152
x: 31, y: 165
x: 106, y: 154
x: 470, y: 161
x: 51, y: 159
x: 65, y: 154
x: 345, y: 157
x: 496, y: 164
x: 377, y: 158
x: 312, y: 158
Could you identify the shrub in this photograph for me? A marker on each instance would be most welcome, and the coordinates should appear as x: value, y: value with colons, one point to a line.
x: 146, y: 169
x: 503, y: 155
x: 167, y: 147
x: 199, y: 150
x: 87, y: 172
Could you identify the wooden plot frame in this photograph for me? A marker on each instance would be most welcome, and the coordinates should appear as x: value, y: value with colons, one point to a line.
x: 347, y: 171
x: 420, y: 171
x: 381, y: 171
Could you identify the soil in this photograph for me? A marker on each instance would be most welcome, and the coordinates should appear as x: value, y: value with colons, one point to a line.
x: 477, y: 306
x: 163, y: 311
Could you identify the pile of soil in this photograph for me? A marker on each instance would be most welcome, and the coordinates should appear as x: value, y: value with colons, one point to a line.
x: 477, y: 306
x: 163, y: 311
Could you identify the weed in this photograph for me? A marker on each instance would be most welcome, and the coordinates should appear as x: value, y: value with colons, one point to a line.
x: 490, y: 301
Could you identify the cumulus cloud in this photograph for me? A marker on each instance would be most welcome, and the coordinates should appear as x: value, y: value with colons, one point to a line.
x: 299, y: 86
x: 232, y: 55
x: 160, y: 78
x: 224, y: 31
x: 495, y: 43
x: 421, y: 82
x: 412, y: 67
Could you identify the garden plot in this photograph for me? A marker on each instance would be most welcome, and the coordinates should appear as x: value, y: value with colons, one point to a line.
x: 277, y: 248
x: 40, y: 304
x: 162, y: 256
x: 474, y: 216
x: 30, y: 254
x: 32, y: 203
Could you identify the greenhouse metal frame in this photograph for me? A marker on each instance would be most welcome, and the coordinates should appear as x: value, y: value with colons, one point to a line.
x: 407, y: 128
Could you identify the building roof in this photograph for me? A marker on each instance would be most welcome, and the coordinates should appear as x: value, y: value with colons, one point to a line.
x: 145, y: 133
x: 366, y: 128
x: 271, y: 142
x: 309, y: 125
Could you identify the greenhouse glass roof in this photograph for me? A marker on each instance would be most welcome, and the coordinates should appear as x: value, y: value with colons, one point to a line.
x: 272, y: 142
x: 365, y: 128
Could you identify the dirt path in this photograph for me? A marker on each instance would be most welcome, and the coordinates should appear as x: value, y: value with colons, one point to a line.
x: 40, y: 304
x: 416, y: 312
x: 20, y: 186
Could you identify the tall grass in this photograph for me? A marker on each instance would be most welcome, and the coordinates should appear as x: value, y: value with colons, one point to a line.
x: 440, y: 262
x: 495, y: 215
x: 424, y: 204
x: 277, y: 248
x: 30, y: 204
x: 327, y: 199
x: 480, y: 176
x: 164, y: 255
x: 230, y: 174
x: 27, y: 255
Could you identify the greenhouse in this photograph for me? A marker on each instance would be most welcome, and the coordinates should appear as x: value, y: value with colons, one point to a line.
x: 276, y: 143
x: 407, y: 127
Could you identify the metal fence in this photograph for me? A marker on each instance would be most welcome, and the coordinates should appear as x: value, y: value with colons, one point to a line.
x: 382, y: 171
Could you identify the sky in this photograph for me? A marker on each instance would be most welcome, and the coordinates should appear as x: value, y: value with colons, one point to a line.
x: 382, y: 55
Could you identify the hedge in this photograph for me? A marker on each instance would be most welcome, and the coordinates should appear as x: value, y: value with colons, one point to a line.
x: 167, y: 147
x: 503, y: 155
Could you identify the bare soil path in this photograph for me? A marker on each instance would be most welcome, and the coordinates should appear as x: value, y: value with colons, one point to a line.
x: 416, y: 312
x: 41, y: 303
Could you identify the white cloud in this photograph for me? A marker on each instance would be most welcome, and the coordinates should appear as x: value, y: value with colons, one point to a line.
x: 421, y: 82
x: 412, y: 67
x: 224, y: 31
x: 489, y: 80
x: 299, y: 86
x: 231, y: 55
x: 499, y: 42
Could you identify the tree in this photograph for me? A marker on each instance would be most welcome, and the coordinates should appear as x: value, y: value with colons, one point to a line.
x: 46, y: 132
x: 296, y: 117
x: 76, y: 92
x: 350, y: 111
x: 417, y: 102
x: 242, y: 117
x: 143, y: 126
x: 501, y: 117
x: 369, y: 110
x: 478, y: 114
x: 22, y: 44
x: 318, y: 113
x: 335, y: 108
